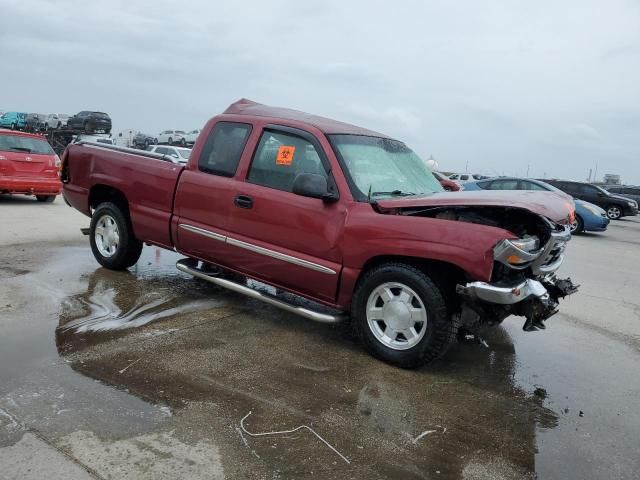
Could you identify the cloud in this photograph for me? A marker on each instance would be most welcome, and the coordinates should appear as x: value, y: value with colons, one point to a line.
x: 499, y: 86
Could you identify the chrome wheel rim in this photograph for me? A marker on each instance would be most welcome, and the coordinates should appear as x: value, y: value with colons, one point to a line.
x: 574, y: 226
x: 396, y: 316
x: 613, y: 212
x: 107, y: 236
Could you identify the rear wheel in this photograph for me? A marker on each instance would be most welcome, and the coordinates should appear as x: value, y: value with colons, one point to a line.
x: 183, y: 143
x: 401, y: 316
x: 112, y: 241
x: 87, y: 127
x: 577, y: 226
x: 13, y: 126
x: 45, y: 198
x: 614, y: 212
x: 170, y: 141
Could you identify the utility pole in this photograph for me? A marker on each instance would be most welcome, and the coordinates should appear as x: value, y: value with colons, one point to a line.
x: 528, y: 170
x: 467, y: 167
x: 595, y: 175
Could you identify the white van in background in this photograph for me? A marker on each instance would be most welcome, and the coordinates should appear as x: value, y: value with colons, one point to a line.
x: 97, y: 138
x: 125, y: 138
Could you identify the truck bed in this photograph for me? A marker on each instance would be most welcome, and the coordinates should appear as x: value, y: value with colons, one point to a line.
x: 148, y: 182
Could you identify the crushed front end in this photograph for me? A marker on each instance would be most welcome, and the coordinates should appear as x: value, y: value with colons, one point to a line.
x: 523, y: 283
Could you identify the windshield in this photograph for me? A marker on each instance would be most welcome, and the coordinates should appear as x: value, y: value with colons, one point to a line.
x: 381, y: 167
x: 602, y: 190
x: 180, y: 131
x: 18, y: 143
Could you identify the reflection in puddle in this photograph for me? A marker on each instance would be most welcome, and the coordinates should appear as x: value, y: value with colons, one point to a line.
x: 105, y: 314
x: 116, y: 301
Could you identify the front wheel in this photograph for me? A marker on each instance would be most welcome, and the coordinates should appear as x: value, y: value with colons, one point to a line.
x: 170, y: 141
x: 112, y: 241
x: 401, y: 316
x: 614, y: 212
x: 45, y: 198
x: 183, y: 143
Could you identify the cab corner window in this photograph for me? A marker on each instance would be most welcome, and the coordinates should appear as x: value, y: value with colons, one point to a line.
x: 280, y: 157
x: 222, y: 150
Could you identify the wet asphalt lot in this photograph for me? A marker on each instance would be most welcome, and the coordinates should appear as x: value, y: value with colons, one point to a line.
x: 148, y: 373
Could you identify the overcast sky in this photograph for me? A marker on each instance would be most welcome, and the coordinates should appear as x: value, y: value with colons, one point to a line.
x: 502, y: 86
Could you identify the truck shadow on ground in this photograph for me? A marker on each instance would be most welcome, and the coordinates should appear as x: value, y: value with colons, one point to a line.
x: 185, y: 343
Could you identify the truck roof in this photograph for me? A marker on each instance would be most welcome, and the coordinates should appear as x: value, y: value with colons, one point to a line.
x: 327, y: 125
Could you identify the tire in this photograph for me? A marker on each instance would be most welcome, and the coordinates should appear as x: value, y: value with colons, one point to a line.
x: 46, y: 198
x: 46, y: 127
x: 614, y: 212
x: 170, y: 141
x: 87, y: 128
x: 146, y: 144
x: 577, y: 226
x: 183, y: 143
x: 386, y: 285
x: 447, y: 189
x: 115, y: 253
x: 13, y: 126
x: 155, y: 141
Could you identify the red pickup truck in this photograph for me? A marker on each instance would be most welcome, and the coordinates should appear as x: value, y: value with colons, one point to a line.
x: 339, y: 221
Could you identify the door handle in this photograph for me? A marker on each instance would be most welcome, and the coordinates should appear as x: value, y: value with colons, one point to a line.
x: 243, y: 201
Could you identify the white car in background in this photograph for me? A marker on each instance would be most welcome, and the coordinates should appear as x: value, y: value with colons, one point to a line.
x: 192, y: 136
x: 180, y: 154
x: 173, y: 137
x: 461, y: 178
x: 55, y: 120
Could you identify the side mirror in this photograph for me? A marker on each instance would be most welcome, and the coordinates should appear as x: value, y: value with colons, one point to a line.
x: 314, y: 186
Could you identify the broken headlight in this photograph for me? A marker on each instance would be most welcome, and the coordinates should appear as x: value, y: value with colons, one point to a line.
x: 518, y: 253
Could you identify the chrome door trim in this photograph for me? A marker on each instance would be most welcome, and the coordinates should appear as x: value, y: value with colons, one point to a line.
x: 280, y: 256
x: 257, y: 249
x: 202, y: 231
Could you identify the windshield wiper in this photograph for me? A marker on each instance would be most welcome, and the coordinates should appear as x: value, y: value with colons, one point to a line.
x: 395, y: 193
x: 20, y: 149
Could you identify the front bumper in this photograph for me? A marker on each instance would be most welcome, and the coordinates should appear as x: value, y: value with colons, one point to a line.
x: 502, y: 295
x: 535, y: 299
x: 628, y: 211
x: 30, y: 186
x: 596, y: 224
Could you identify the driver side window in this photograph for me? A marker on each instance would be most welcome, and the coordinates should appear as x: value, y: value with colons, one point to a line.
x: 280, y: 157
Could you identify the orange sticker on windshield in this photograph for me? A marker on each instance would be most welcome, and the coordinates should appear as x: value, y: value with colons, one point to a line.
x: 285, y: 155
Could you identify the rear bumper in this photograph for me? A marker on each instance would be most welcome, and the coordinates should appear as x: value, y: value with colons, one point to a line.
x: 32, y: 186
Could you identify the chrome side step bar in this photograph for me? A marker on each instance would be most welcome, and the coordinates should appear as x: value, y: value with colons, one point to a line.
x: 189, y: 266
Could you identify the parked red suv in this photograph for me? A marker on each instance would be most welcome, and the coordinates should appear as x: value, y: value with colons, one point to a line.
x: 28, y: 165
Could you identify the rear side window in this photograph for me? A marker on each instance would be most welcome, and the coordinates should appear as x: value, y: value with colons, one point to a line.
x: 504, y: 185
x: 525, y: 185
x: 222, y: 150
x: 19, y: 143
x: 280, y: 157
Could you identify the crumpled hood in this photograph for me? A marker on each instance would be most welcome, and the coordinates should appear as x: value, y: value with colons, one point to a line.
x: 548, y: 204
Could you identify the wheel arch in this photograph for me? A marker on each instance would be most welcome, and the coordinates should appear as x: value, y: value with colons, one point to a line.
x: 445, y: 274
x: 101, y: 193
